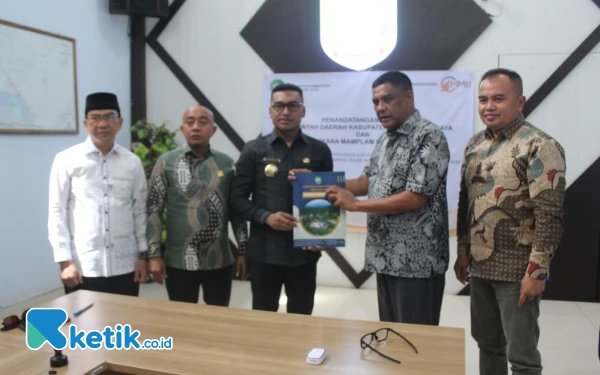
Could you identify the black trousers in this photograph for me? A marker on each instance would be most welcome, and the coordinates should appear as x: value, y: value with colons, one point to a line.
x: 413, y: 301
x: 121, y: 284
x: 300, y: 285
x: 184, y: 285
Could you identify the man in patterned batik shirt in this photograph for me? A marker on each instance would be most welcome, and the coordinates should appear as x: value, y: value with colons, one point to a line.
x: 407, y: 222
x: 510, y: 222
x: 193, y: 182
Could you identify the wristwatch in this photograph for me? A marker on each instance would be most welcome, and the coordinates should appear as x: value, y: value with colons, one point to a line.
x: 143, y: 255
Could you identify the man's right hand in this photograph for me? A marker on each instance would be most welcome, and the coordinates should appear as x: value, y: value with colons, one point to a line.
x: 70, y: 275
x: 461, y: 268
x: 281, y: 221
x: 157, y: 269
x: 292, y: 173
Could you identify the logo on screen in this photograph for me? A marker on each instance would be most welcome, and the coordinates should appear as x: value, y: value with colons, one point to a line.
x: 275, y: 83
x: 450, y: 84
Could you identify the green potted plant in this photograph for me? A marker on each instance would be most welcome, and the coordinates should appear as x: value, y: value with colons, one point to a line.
x: 153, y: 141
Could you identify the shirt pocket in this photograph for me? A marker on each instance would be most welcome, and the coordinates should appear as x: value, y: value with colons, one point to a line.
x: 269, y: 168
x: 122, y: 189
x: 399, y: 171
x: 510, y: 173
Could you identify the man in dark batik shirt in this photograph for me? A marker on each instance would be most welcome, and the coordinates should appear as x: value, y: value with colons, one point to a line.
x: 407, y: 222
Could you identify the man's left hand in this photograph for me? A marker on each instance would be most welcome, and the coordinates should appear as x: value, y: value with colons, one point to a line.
x: 141, y: 271
x: 241, y: 267
x: 531, y: 288
x: 342, y: 198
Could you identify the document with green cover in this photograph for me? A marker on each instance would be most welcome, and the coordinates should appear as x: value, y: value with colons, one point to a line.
x: 319, y: 222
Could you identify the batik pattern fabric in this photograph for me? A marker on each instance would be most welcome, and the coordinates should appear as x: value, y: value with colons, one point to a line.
x: 412, y: 244
x: 510, y: 214
x: 195, y: 190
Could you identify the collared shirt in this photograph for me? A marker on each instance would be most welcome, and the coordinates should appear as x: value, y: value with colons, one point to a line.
x: 413, y: 244
x: 510, y: 215
x: 97, y: 209
x: 195, y: 190
x: 271, y: 194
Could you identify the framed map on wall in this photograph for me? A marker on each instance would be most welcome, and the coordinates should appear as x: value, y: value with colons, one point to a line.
x: 38, y: 83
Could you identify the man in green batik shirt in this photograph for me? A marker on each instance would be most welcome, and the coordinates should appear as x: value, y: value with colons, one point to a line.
x: 193, y: 183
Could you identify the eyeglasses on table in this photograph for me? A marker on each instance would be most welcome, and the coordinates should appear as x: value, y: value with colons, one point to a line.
x: 379, y: 336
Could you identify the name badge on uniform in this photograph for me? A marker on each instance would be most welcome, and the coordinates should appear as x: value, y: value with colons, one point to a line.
x: 306, y: 160
x: 271, y: 170
x: 271, y: 160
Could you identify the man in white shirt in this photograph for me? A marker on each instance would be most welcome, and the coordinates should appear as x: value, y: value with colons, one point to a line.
x: 97, y: 210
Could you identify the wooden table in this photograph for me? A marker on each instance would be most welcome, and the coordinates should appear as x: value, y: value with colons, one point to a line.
x: 217, y: 340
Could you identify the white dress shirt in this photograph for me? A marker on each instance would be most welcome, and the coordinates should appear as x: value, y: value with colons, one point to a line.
x: 97, y: 215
